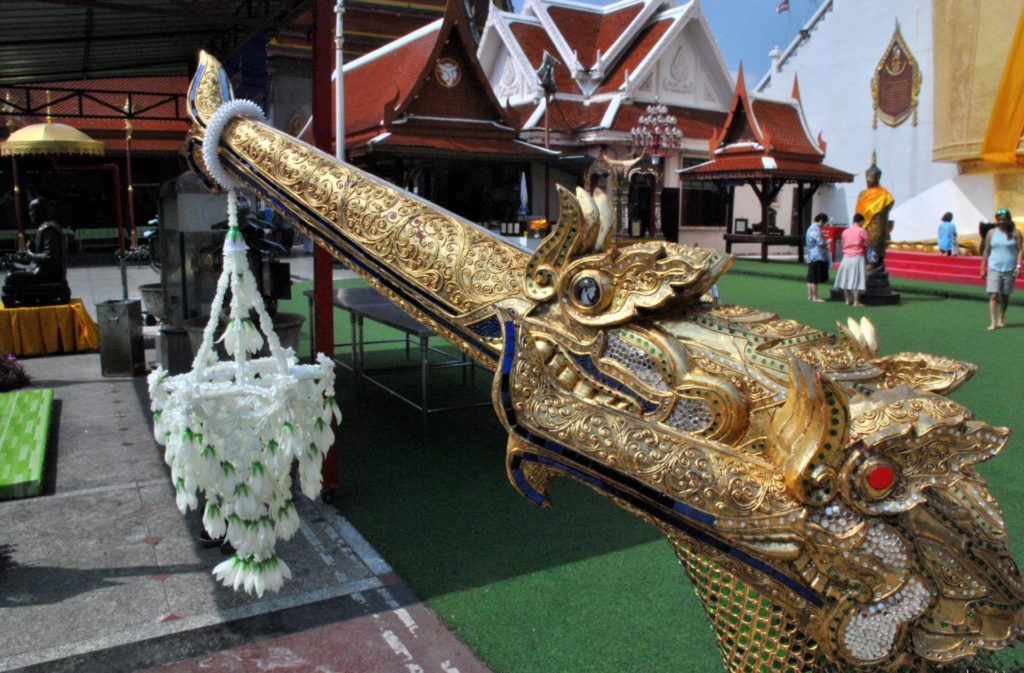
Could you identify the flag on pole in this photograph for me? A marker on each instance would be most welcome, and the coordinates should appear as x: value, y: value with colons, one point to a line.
x: 783, y: 7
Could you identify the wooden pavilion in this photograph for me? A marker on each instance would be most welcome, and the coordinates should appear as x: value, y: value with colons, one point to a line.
x: 420, y: 113
x: 766, y: 144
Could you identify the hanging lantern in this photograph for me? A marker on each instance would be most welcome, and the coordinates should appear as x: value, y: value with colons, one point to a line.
x: 233, y: 428
x: 656, y: 132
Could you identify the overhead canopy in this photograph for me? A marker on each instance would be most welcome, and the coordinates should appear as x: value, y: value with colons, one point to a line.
x: 77, y: 39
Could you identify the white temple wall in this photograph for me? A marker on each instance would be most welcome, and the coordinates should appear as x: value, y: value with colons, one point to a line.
x: 835, y: 66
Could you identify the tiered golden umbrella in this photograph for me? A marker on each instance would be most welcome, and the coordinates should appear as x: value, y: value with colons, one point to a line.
x: 47, y: 139
x: 52, y: 138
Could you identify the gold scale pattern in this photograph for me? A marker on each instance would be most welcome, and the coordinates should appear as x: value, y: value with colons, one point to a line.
x: 754, y: 634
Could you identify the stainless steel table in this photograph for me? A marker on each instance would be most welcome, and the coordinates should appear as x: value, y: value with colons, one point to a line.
x: 364, y: 303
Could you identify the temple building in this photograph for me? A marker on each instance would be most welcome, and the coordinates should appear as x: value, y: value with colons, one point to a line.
x: 420, y: 113
x: 580, y: 78
x: 763, y: 146
x: 932, y: 88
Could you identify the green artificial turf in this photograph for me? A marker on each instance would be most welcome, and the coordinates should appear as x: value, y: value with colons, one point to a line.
x: 24, y: 428
x: 584, y: 586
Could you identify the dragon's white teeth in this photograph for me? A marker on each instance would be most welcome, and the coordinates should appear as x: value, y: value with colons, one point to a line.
x: 870, y: 336
x: 587, y: 207
x: 854, y: 328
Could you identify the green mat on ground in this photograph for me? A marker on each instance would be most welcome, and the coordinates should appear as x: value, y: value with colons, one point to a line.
x: 24, y: 428
x: 585, y: 587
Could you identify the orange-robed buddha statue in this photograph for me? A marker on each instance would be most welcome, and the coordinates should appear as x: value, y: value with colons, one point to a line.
x: 874, y: 203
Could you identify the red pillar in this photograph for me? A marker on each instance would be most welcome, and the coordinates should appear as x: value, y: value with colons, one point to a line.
x: 323, y: 309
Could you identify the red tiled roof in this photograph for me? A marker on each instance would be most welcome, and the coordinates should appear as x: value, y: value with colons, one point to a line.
x: 383, y: 81
x: 751, y: 166
x: 520, y: 113
x: 398, y: 86
x: 739, y: 148
x: 534, y: 41
x: 573, y: 116
x: 693, y: 122
x: 589, y: 32
x: 781, y: 121
x: 635, y: 54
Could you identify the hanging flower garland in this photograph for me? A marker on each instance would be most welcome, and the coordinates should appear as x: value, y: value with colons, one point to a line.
x: 232, y: 429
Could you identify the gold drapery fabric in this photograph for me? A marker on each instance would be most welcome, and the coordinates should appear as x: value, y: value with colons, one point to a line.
x: 42, y: 330
x: 1006, y: 124
x: 873, y: 201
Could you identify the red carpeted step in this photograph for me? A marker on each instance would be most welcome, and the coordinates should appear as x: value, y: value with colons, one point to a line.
x: 936, y: 268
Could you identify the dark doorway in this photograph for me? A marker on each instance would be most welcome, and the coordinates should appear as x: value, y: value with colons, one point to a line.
x: 641, y: 205
x: 478, y: 190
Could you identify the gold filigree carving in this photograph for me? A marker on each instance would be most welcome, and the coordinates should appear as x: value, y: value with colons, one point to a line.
x: 459, y: 265
x: 821, y: 505
x: 924, y: 372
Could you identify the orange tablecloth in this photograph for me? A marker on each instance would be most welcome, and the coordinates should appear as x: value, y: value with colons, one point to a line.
x: 40, y: 330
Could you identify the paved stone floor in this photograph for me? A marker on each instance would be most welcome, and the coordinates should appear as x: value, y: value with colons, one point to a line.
x: 102, y: 573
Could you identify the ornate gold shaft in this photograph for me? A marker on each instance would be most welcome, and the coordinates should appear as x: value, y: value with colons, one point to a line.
x: 443, y: 270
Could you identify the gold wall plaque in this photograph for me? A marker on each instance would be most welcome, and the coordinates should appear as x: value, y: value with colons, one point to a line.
x: 896, y: 84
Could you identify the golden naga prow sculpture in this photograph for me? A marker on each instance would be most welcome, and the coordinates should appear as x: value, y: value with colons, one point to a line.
x: 823, y: 499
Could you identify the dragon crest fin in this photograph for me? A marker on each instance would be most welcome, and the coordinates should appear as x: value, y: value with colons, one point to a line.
x: 568, y: 237
x: 808, y: 433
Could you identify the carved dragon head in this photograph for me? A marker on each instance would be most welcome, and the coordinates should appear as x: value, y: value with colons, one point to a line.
x: 838, y: 485
x: 824, y: 500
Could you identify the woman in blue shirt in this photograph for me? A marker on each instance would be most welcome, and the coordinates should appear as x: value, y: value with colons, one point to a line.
x: 1001, y: 257
x: 818, y: 258
x: 947, y: 235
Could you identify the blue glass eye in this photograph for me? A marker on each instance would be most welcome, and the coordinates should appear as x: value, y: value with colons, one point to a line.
x: 587, y: 291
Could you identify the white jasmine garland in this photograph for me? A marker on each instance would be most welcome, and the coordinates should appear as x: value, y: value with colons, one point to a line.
x: 231, y: 429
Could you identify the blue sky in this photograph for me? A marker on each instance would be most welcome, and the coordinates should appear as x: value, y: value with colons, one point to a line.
x: 746, y: 30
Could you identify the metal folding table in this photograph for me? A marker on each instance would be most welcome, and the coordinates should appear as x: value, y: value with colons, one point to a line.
x: 364, y: 303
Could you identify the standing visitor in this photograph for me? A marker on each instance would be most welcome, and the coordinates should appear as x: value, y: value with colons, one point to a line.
x: 852, y: 275
x: 818, y: 259
x: 1001, y: 256
x: 947, y: 235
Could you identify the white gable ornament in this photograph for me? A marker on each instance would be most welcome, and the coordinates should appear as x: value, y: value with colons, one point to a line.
x: 507, y: 85
x: 680, y: 79
x: 447, y: 72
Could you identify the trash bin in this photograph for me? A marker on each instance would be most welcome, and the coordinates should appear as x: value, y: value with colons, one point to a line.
x: 832, y: 234
x: 122, y: 352
x: 175, y: 351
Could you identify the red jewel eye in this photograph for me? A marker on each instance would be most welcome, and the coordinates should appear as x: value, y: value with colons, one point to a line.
x: 881, y: 477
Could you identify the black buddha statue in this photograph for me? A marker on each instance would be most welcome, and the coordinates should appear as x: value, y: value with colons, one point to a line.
x: 39, y: 277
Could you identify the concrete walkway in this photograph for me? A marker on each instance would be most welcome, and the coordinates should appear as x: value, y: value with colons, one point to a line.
x: 102, y: 573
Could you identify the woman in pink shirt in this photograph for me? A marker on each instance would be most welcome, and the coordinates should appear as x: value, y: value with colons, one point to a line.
x: 852, y: 274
